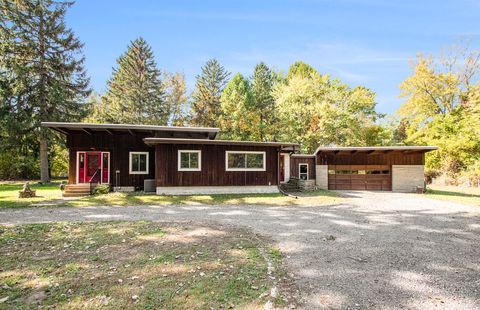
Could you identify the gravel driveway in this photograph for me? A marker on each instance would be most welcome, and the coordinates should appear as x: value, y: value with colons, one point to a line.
x: 375, y: 250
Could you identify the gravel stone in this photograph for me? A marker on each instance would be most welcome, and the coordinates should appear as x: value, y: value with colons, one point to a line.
x: 390, y: 250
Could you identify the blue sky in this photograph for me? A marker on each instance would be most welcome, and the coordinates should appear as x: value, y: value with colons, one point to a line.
x: 362, y: 42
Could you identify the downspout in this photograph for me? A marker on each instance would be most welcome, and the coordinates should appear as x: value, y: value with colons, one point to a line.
x: 278, y: 176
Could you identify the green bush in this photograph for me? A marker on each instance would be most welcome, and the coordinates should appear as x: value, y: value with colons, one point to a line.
x: 101, y: 189
x: 472, y: 174
x: 58, y: 161
x: 14, y: 166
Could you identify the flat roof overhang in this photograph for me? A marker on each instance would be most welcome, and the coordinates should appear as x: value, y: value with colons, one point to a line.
x: 303, y: 155
x: 284, y: 146
x: 89, y: 128
x: 376, y: 149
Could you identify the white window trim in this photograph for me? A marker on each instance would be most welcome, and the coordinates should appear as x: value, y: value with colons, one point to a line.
x: 77, y: 168
x: 199, y: 152
x: 130, y: 163
x: 302, y: 164
x: 245, y: 169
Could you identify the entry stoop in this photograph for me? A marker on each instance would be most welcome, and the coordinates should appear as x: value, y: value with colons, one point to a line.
x: 77, y: 190
x: 291, y: 186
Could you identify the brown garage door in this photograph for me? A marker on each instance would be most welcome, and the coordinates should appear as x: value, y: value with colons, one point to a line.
x: 360, y: 177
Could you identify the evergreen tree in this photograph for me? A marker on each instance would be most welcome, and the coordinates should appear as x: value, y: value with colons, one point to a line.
x: 238, y: 121
x: 97, y: 110
x: 263, y: 81
x: 176, y: 98
x: 206, y: 96
x: 135, y: 93
x: 44, y: 65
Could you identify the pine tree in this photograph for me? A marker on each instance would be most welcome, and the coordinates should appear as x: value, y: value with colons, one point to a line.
x: 135, y: 92
x: 176, y: 98
x: 206, y: 96
x: 44, y: 56
x: 263, y: 81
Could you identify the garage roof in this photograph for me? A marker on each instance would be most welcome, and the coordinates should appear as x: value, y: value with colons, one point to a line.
x: 375, y: 148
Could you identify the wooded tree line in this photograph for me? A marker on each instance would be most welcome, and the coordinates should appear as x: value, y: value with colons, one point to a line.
x: 42, y: 78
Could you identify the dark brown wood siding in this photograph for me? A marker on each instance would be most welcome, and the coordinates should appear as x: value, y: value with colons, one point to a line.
x: 294, y: 161
x: 363, y: 158
x: 213, y: 171
x: 365, y: 162
x: 119, y: 145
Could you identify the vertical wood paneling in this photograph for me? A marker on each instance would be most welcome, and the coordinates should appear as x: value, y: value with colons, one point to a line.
x: 119, y: 146
x: 294, y: 170
x: 363, y: 158
x: 213, y: 171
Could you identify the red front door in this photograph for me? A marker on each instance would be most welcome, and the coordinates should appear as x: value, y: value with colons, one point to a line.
x: 93, y: 167
x: 282, y: 168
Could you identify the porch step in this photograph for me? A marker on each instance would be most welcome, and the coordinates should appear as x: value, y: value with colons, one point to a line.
x: 83, y: 186
x: 76, y: 190
x: 78, y: 194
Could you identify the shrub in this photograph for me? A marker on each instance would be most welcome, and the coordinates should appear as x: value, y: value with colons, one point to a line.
x: 431, y: 174
x: 16, y: 166
x: 472, y: 174
x: 101, y: 189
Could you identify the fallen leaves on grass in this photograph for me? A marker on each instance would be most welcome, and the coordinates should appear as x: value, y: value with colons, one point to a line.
x: 121, y: 264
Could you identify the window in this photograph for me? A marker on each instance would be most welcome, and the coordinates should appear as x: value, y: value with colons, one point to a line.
x: 303, y: 171
x: 82, y: 160
x: 244, y: 161
x: 378, y: 172
x: 138, y: 163
x: 189, y: 160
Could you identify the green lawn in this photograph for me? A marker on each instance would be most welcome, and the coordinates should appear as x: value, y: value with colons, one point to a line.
x: 140, y: 265
x: 50, y: 195
x: 464, y: 195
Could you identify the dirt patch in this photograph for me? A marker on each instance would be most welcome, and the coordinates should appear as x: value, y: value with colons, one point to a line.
x: 139, y: 265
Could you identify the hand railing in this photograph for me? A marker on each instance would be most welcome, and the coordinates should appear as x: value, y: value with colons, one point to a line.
x: 91, y: 182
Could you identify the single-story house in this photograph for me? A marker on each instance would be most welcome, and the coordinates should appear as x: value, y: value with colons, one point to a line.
x: 190, y: 160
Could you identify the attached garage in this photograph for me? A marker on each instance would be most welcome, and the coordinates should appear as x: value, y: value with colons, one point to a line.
x: 360, y: 177
x: 396, y: 168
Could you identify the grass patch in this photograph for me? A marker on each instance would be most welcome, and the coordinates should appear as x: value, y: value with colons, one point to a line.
x: 129, y: 199
x: 463, y: 195
x: 51, y: 195
x: 46, y: 193
x: 131, y: 265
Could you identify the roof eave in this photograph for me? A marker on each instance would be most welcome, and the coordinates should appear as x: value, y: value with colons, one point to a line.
x: 282, y: 145
x: 414, y: 148
x: 66, y: 128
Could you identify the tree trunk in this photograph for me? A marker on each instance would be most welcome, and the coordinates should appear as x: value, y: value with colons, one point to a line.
x: 44, y: 175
